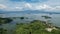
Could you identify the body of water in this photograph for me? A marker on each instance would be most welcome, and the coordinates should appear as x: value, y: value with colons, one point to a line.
x: 55, y: 19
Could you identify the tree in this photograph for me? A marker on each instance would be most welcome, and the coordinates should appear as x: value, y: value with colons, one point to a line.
x: 35, y: 27
x: 3, y: 31
x: 21, y: 18
x: 5, y: 20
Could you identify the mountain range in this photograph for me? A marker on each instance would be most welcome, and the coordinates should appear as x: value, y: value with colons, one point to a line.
x: 29, y: 12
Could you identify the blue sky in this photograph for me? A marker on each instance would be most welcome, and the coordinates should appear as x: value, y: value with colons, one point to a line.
x: 21, y: 5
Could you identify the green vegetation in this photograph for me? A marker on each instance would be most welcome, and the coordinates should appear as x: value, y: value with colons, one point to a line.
x: 46, y: 17
x: 5, y: 20
x: 35, y: 27
x: 3, y: 31
x: 23, y: 18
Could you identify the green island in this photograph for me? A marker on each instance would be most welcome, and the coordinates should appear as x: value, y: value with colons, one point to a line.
x: 5, y: 20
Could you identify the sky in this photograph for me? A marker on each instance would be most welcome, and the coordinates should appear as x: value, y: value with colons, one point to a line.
x: 21, y: 5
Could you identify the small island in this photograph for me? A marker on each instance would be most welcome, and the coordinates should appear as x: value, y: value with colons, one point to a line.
x: 5, y: 20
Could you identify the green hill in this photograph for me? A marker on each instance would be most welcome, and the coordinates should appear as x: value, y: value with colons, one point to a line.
x: 36, y: 27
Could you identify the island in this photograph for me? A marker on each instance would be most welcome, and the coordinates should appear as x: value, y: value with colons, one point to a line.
x: 5, y: 20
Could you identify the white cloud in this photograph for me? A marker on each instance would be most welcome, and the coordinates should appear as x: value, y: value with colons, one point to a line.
x: 42, y: 7
x: 38, y: 7
x: 57, y: 7
x: 49, y: 8
x: 20, y: 8
x: 27, y: 5
x: 15, y: 9
x: 2, y: 6
x: 45, y: 7
x: 49, y: 5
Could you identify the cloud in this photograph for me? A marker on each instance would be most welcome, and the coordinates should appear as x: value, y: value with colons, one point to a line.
x: 38, y: 7
x: 19, y: 8
x: 44, y: 7
x: 28, y: 6
x: 41, y: 7
x: 19, y: 5
x: 30, y: 1
x: 53, y: 2
x: 57, y: 7
x: 2, y: 6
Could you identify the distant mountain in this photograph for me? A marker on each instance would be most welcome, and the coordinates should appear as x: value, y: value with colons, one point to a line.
x: 29, y: 12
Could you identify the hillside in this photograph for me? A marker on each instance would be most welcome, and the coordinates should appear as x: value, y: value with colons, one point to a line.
x: 36, y: 27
